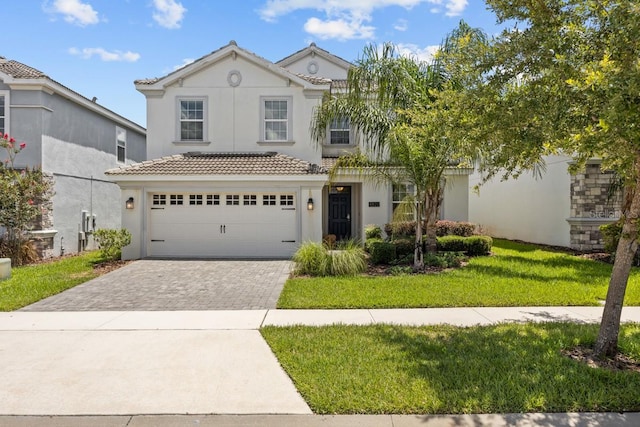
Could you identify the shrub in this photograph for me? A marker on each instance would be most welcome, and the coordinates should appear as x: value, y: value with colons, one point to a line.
x: 370, y: 242
x: 455, y: 228
x: 373, y: 231
x: 400, y: 229
x: 404, y: 247
x: 611, y: 236
x: 444, y: 259
x: 349, y: 260
x: 451, y: 244
x: 400, y: 270
x: 312, y: 258
x: 472, y: 245
x: 478, y: 245
x: 111, y: 242
x: 382, y: 252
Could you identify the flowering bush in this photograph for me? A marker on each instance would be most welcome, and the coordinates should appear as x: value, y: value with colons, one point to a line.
x: 12, y: 148
x: 21, y: 194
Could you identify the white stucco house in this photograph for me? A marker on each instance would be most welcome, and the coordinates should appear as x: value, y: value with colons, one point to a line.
x: 558, y: 208
x: 232, y: 169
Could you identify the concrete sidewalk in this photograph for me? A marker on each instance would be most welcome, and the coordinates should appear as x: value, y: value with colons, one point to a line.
x: 142, y: 368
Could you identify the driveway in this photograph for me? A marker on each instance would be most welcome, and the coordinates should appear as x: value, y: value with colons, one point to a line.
x: 168, y: 285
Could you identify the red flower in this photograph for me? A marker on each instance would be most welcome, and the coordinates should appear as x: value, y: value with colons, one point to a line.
x: 22, y: 145
x: 30, y: 202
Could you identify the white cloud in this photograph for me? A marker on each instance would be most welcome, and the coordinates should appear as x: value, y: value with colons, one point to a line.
x: 168, y: 13
x: 401, y: 25
x: 338, y: 29
x: 104, y: 55
x: 414, y: 51
x: 75, y: 12
x: 347, y: 19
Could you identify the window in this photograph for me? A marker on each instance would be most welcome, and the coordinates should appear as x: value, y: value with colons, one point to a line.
x: 4, y: 111
x: 249, y: 200
x: 286, y: 200
x: 269, y: 200
x: 233, y: 199
x: 121, y: 144
x: 192, y: 114
x: 195, y: 199
x: 176, y: 199
x: 276, y: 119
x: 159, y: 199
x: 339, y: 131
x: 403, y: 202
x: 213, y: 199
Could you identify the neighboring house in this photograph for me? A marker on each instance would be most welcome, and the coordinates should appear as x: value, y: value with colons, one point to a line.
x: 558, y: 209
x: 74, y: 140
x: 235, y: 172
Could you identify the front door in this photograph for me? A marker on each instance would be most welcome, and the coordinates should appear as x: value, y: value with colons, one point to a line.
x: 340, y: 212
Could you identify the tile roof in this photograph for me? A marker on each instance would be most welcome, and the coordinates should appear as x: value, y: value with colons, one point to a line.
x: 199, y: 163
x: 19, y: 70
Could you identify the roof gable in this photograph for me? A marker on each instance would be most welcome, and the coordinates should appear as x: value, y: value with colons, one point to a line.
x: 230, y: 50
x: 313, y: 50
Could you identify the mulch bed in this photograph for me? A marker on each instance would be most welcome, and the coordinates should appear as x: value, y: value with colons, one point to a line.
x: 620, y: 362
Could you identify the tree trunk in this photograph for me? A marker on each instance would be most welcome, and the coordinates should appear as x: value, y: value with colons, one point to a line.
x: 607, y: 342
x: 418, y: 255
x: 434, y: 199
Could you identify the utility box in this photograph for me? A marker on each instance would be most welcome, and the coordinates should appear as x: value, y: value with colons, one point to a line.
x: 5, y: 268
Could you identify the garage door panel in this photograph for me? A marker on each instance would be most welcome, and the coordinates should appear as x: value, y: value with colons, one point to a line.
x: 223, y: 230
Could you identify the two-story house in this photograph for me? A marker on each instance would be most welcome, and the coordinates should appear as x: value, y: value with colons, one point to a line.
x: 74, y: 140
x: 235, y: 172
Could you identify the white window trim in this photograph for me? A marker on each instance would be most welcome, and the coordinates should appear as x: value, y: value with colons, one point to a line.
x: 350, y: 143
x: 399, y: 202
x: 205, y: 121
x: 123, y: 131
x: 7, y: 110
x: 289, y: 100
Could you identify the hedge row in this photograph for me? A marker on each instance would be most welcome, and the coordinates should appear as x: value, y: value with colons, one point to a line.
x: 443, y: 228
x: 384, y: 252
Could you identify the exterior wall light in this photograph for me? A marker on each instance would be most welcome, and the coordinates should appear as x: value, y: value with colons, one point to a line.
x: 310, y: 204
x: 129, y: 203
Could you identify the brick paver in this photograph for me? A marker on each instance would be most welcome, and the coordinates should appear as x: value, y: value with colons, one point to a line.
x: 152, y: 285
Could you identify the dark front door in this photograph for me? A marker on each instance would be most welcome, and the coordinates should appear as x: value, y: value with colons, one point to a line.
x: 340, y: 212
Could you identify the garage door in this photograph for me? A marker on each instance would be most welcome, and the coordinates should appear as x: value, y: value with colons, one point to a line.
x: 228, y: 225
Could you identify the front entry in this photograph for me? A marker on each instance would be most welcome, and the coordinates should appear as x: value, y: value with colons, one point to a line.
x: 340, y: 212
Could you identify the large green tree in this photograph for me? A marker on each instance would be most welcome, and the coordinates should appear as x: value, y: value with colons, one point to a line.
x: 565, y: 78
x: 399, y: 105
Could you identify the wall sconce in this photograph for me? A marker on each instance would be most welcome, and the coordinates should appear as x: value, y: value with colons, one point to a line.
x: 129, y: 203
x: 310, y: 204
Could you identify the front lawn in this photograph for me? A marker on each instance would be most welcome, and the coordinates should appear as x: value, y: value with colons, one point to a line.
x: 516, y: 275
x: 32, y: 283
x: 508, y: 368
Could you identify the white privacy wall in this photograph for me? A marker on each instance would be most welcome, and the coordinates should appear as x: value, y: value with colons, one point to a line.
x: 528, y: 209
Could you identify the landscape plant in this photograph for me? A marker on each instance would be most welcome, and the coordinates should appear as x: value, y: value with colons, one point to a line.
x: 23, y: 194
x: 563, y: 78
x: 111, y: 242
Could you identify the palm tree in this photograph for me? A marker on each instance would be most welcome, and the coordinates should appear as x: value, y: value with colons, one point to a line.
x: 402, y: 109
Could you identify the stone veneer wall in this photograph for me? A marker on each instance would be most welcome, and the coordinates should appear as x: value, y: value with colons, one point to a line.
x: 42, y: 232
x: 592, y: 206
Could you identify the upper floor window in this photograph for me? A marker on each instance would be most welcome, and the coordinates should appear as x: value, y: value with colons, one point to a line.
x: 4, y: 110
x: 339, y: 131
x: 121, y: 144
x: 276, y: 119
x: 192, y: 117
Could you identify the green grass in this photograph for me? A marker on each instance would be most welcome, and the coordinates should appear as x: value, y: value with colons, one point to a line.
x: 32, y: 283
x: 516, y: 275
x: 508, y: 368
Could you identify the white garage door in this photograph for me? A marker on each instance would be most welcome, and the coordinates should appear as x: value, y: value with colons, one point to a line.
x: 231, y: 225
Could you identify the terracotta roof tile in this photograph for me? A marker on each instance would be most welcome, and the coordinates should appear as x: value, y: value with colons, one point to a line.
x: 197, y: 163
x: 19, y: 70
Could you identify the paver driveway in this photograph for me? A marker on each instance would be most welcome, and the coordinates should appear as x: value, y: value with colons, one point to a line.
x: 151, y: 285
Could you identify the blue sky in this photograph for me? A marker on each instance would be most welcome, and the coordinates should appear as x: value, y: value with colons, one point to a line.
x: 99, y: 47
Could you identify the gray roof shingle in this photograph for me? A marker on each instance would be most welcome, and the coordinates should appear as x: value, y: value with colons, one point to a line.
x: 198, y: 163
